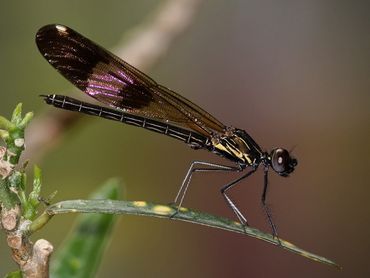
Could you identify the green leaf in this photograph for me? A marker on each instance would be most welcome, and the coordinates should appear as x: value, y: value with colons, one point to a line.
x: 34, y: 195
x: 81, y: 253
x: 5, y: 124
x: 25, y: 121
x: 3, y: 133
x: 8, y: 199
x: 12, y: 132
x: 164, y: 211
x: 17, y: 114
x: 31, y: 203
x: 14, y: 274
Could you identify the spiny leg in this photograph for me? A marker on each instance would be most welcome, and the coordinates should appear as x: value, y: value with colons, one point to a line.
x: 265, y: 206
x: 211, y: 167
x: 230, y: 203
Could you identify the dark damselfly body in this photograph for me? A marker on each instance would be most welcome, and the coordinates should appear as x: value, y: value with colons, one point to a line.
x: 138, y: 100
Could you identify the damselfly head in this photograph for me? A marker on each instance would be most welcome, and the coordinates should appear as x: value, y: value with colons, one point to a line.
x: 282, y: 162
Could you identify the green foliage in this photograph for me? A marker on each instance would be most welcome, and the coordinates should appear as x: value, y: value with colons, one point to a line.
x: 32, y: 202
x: 12, y: 183
x: 81, y: 253
x: 14, y: 274
x: 12, y: 132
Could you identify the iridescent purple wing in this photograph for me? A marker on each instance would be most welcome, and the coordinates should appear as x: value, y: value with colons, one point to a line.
x: 110, y: 80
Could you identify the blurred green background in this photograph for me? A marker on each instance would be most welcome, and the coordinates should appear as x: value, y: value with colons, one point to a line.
x: 291, y: 73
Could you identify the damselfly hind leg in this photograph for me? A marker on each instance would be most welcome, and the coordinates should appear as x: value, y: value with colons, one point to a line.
x: 196, y: 166
x: 242, y: 219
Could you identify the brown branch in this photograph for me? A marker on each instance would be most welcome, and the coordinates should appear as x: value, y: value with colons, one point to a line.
x: 32, y: 259
x: 38, y: 265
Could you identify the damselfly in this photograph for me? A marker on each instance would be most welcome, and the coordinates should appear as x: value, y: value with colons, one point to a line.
x: 140, y: 101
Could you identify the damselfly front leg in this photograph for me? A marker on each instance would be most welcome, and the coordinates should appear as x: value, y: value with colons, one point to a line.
x: 265, y: 206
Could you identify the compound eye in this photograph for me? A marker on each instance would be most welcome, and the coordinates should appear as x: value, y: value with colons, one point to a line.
x: 282, y: 162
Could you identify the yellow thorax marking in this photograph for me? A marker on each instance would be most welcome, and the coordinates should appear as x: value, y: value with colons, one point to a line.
x: 232, y: 149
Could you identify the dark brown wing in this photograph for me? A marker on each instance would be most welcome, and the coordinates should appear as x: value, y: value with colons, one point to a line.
x: 110, y: 80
